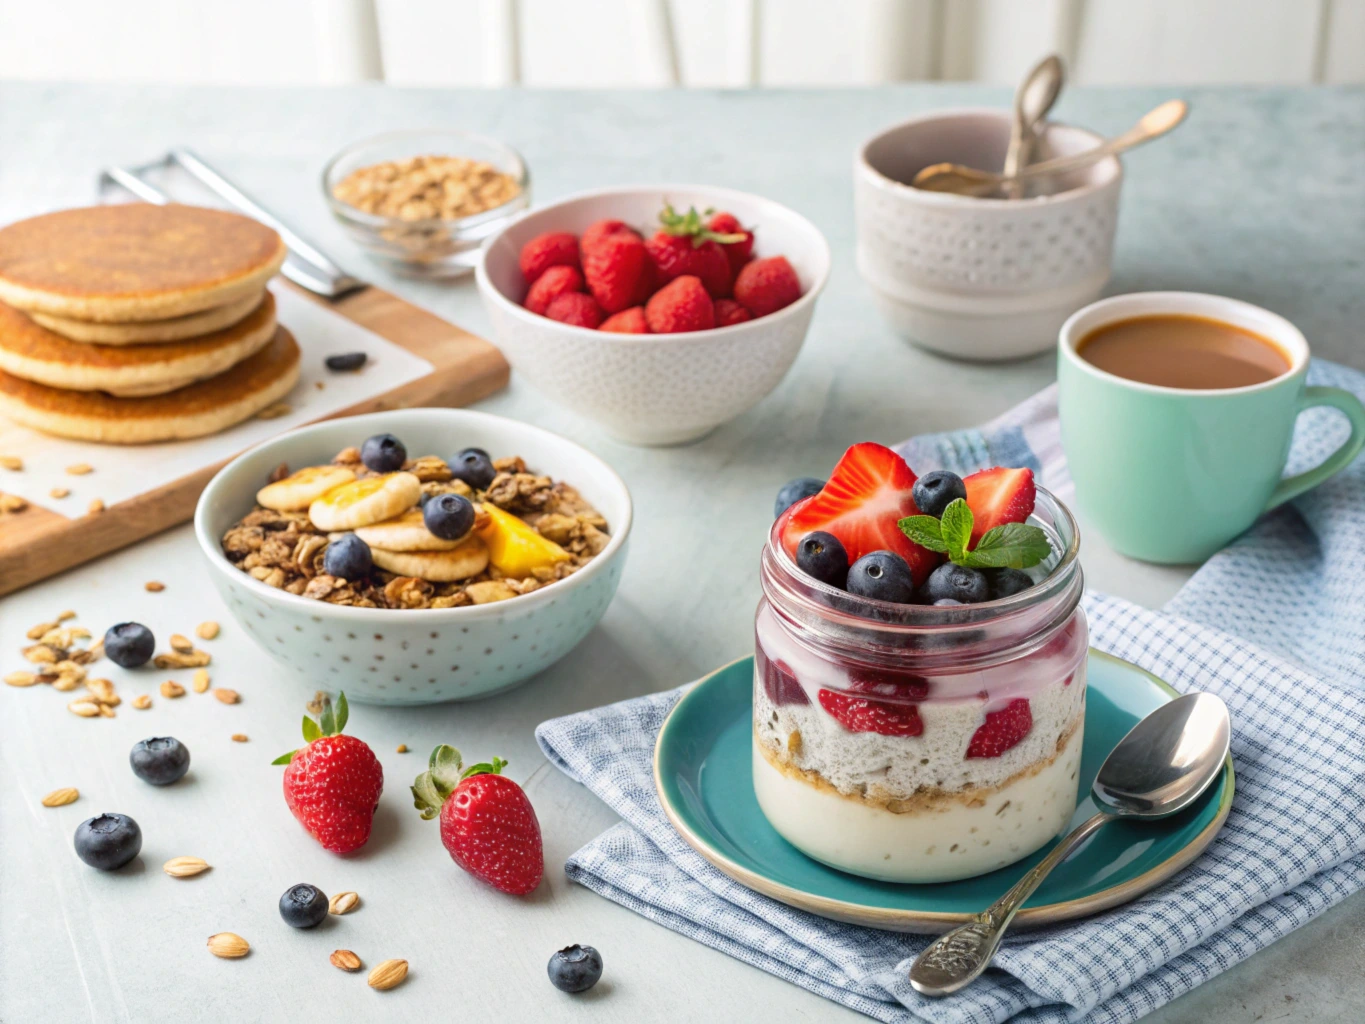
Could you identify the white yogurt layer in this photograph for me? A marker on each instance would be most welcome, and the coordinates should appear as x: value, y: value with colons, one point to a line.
x: 943, y: 842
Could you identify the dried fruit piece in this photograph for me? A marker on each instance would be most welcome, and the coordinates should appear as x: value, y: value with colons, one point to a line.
x: 206, y: 630
x: 388, y: 974
x: 345, y: 959
x: 170, y: 688
x: 185, y: 867
x: 200, y: 681
x: 228, y: 945
x: 226, y: 696
x: 343, y: 903
x: 62, y: 797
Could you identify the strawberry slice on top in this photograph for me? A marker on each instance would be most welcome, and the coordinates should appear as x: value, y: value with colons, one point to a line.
x: 998, y: 496
x: 866, y: 496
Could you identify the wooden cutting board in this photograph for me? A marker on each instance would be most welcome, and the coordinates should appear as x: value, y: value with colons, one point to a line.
x: 36, y: 543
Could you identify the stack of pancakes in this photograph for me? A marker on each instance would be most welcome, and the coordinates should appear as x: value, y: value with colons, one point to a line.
x: 136, y: 323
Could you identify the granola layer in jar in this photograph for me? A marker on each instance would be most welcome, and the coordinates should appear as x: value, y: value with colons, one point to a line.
x: 916, y: 743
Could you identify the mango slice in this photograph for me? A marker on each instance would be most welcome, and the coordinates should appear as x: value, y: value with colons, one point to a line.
x: 514, y: 548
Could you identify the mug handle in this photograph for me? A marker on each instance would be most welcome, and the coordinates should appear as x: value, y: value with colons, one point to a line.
x: 1348, y: 404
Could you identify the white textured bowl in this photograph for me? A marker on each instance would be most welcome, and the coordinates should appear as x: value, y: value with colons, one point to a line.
x: 654, y: 389
x: 980, y: 278
x: 420, y: 656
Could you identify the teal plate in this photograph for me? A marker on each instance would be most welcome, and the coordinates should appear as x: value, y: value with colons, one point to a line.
x: 704, y: 776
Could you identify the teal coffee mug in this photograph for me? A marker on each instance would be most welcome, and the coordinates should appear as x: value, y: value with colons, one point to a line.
x: 1172, y: 474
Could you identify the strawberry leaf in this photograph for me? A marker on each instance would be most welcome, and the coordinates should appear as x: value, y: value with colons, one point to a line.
x: 343, y: 712
x: 444, y: 768
x: 426, y: 797
x: 956, y: 526
x: 328, y: 719
x: 286, y: 758
x: 310, y: 730
x: 1013, y: 546
x: 485, y: 768
x: 926, y: 531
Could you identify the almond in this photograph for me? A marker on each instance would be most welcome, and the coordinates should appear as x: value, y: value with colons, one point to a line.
x: 228, y: 945
x: 388, y: 974
x: 343, y: 903
x: 185, y: 867
x: 170, y: 688
x: 84, y: 708
x: 62, y: 797
x: 345, y: 959
x: 21, y: 679
x: 200, y: 681
x: 226, y: 696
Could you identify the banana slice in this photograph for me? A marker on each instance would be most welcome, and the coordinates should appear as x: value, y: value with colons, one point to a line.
x: 299, y: 490
x: 467, y: 559
x: 366, y: 501
x: 407, y: 532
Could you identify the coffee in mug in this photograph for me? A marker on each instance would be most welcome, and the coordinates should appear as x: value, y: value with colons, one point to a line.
x: 1172, y: 350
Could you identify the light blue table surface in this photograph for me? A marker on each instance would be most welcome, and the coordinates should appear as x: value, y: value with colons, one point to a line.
x: 1260, y: 196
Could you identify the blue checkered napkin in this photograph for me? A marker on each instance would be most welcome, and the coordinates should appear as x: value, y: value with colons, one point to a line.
x: 1273, y: 624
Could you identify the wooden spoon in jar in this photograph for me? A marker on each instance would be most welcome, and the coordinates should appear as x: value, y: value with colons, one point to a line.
x: 969, y: 181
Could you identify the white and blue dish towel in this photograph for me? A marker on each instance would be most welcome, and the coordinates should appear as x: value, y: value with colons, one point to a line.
x: 1274, y: 624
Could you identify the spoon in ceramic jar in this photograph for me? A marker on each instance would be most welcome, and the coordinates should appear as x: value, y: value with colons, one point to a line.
x: 1034, y: 98
x: 1161, y: 767
x: 969, y: 181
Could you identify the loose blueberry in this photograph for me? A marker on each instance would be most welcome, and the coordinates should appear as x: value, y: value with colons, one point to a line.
x: 346, y: 361
x: 160, y: 760
x: 383, y: 453
x: 108, y: 841
x: 348, y: 557
x: 958, y: 582
x: 448, y: 516
x: 303, y: 906
x: 882, y: 576
x: 933, y: 492
x: 575, y: 968
x: 794, y: 491
x: 129, y: 644
x: 820, y: 554
x: 474, y: 467
x: 1007, y: 582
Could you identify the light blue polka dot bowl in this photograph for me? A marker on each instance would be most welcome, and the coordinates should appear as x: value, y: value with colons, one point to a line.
x: 420, y: 656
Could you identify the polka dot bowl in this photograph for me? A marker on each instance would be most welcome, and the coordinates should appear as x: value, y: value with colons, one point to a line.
x: 420, y: 656
x: 654, y: 389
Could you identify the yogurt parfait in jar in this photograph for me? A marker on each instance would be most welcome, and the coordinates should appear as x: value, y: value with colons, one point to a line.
x: 919, y: 684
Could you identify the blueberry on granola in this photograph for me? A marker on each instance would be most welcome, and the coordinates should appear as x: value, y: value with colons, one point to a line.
x: 348, y: 557
x: 474, y: 467
x: 448, y: 516
x: 383, y: 453
x: 159, y: 760
x: 129, y: 644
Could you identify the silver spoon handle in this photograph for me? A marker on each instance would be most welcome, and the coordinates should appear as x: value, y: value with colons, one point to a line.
x: 957, y: 958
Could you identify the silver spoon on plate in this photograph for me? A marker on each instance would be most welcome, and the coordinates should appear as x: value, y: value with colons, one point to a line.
x: 1160, y: 768
x: 1032, y: 100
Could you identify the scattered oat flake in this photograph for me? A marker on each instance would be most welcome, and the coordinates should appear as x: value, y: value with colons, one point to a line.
x: 181, y: 643
x: 206, y: 630
x: 343, y: 902
x: 388, y: 974
x: 105, y: 711
x: 62, y: 797
x: 80, y: 468
x: 142, y: 701
x: 170, y: 688
x: 11, y: 462
x: 84, y: 708
x: 402, y: 748
x: 274, y: 412
x: 21, y: 679
x: 200, y: 681
x: 185, y: 867
x: 63, y: 616
x: 174, y: 659
x: 239, y: 737
x: 12, y: 503
x: 154, y: 586
x: 228, y: 945
x: 226, y: 696
x: 96, y: 505
x: 59, y: 492
x: 345, y: 959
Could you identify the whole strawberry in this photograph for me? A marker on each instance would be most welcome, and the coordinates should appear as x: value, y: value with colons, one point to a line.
x: 740, y: 252
x: 765, y: 286
x: 679, y: 306
x: 333, y: 782
x: 487, y: 824
x: 552, y: 249
x: 615, y: 265
x: 685, y: 246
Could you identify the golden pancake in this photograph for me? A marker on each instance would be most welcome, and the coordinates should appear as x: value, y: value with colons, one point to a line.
x: 136, y: 262
x: 150, y: 331
x: 37, y: 354
x: 203, y: 408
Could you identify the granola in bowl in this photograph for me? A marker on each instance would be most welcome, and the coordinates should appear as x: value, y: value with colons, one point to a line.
x: 522, y: 530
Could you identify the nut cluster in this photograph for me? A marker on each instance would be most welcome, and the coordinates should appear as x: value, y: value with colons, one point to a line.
x: 427, y: 187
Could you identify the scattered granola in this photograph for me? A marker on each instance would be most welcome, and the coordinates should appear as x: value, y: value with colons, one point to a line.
x: 181, y: 644
x: 402, y: 748
x: 239, y: 737
x: 206, y: 630
x: 228, y: 945
x: 12, y: 462
x: 193, y: 658
x: 185, y: 867
x: 59, y: 492
x: 62, y: 797
x: 388, y: 974
x: 96, y: 505
x: 345, y: 959
x: 154, y: 586
x: 535, y: 530
x: 80, y: 469
x: 343, y: 902
x: 227, y: 696
x: 170, y: 688
x: 12, y: 503
x: 200, y: 681
x: 142, y: 701
x: 61, y: 662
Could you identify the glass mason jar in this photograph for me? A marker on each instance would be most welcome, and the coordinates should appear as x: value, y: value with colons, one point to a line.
x: 920, y: 743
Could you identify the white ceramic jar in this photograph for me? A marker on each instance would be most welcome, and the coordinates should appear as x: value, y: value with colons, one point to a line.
x: 980, y: 278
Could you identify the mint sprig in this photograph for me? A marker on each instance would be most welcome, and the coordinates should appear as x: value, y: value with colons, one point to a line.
x: 1012, y: 546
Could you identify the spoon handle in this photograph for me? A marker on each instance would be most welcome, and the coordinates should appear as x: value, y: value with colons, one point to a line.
x: 955, y: 959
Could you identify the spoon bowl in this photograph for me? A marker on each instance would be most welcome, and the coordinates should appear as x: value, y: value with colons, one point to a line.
x: 1032, y: 100
x: 1161, y: 767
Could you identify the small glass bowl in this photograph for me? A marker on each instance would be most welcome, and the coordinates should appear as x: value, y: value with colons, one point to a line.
x: 433, y: 247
